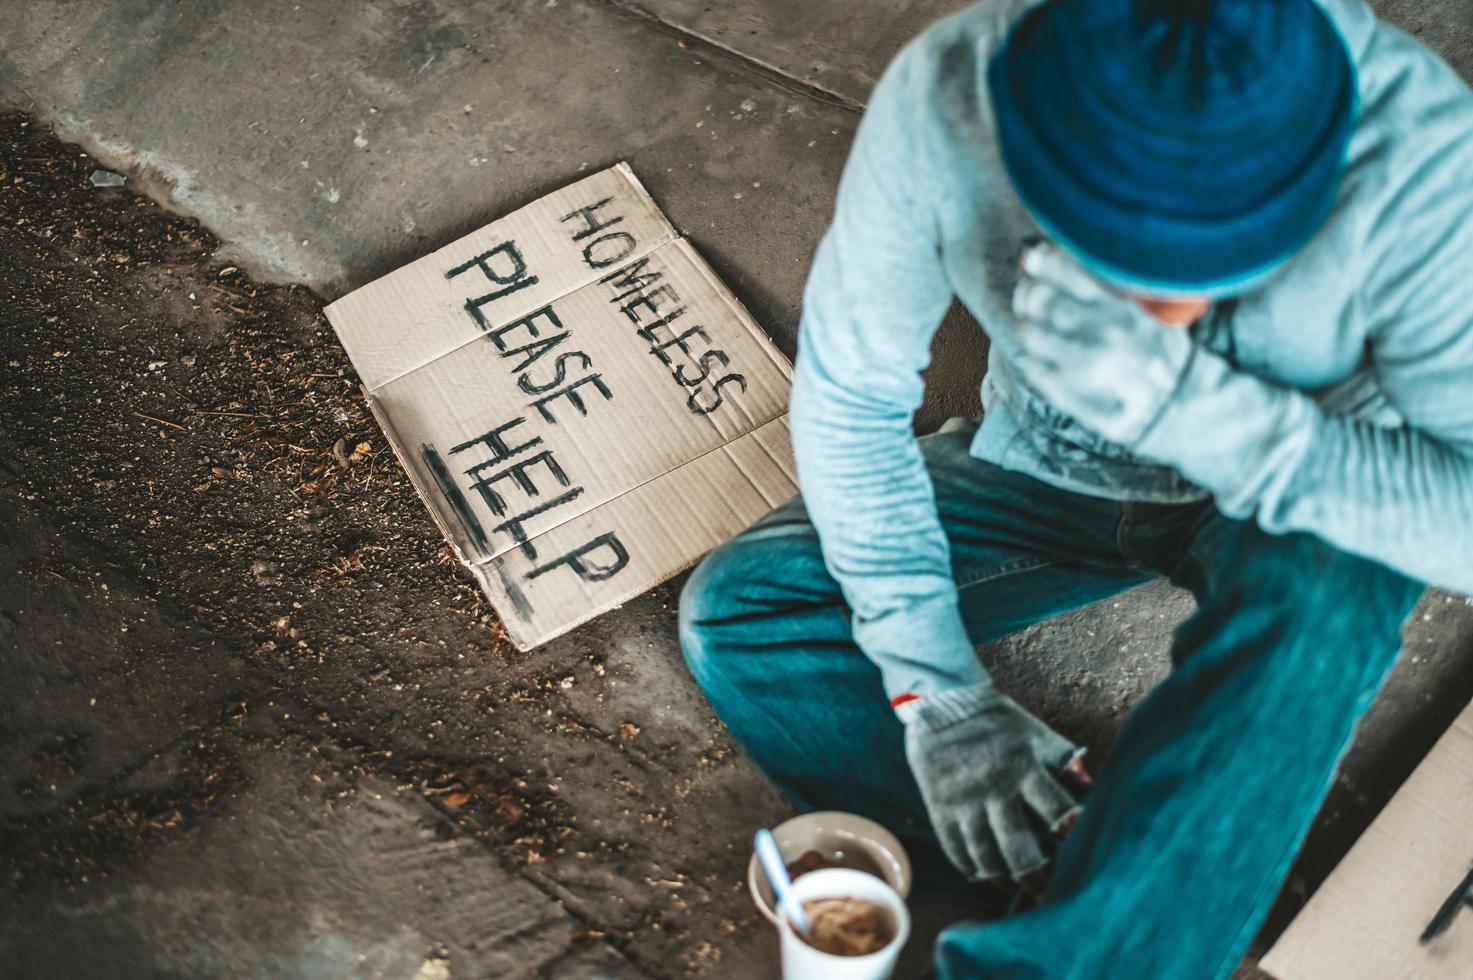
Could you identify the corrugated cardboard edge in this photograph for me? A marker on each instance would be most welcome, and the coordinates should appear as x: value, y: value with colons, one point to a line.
x: 627, y: 172
x: 484, y: 570
x: 485, y: 576
x: 1315, y: 933
x: 431, y: 501
x: 739, y: 310
x: 698, y: 262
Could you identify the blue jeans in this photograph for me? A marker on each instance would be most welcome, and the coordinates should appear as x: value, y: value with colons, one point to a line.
x: 1215, y: 778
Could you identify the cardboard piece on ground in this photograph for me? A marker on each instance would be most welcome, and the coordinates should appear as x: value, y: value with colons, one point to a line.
x: 1409, y: 869
x: 584, y: 407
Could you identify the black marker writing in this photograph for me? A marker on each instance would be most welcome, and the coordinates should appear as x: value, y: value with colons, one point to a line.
x: 609, y: 246
x: 1460, y: 898
x: 502, y: 265
x: 587, y: 570
x: 556, y: 374
x: 651, y: 306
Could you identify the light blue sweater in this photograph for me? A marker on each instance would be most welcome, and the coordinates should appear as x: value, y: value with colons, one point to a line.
x: 1335, y: 399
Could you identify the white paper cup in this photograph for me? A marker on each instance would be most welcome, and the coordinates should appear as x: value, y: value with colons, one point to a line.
x: 833, y: 834
x: 802, y: 962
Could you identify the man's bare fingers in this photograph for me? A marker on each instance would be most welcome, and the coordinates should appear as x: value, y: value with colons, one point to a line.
x: 1003, y: 883
x: 1077, y: 774
x: 1034, y: 882
x: 1066, y: 826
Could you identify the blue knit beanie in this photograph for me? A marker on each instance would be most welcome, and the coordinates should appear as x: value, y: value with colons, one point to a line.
x: 1176, y: 147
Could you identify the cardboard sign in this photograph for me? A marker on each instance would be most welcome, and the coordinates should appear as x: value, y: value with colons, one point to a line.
x: 582, y: 404
x: 1401, y: 902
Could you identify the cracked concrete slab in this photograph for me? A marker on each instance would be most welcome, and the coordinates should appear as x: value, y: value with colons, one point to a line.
x: 332, y: 148
x: 290, y: 879
x: 839, y: 47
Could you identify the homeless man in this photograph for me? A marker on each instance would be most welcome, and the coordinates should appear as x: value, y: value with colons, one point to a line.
x: 1224, y: 256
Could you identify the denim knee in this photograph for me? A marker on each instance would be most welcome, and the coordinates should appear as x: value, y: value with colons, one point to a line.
x: 751, y: 592
x: 1334, y: 594
x: 1295, y: 574
x: 706, y: 600
x: 1309, y: 594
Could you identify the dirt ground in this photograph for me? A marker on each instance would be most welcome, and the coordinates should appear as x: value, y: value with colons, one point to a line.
x: 207, y: 435
x: 225, y: 554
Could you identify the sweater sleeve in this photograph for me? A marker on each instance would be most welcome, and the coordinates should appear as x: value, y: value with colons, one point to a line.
x: 875, y: 296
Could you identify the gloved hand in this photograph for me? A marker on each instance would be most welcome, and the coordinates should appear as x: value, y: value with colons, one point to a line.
x: 1094, y: 354
x: 988, y: 772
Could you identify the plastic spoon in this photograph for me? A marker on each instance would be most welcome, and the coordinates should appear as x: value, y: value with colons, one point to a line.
x: 782, y: 885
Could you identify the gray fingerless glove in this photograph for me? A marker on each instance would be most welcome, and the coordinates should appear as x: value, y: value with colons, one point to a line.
x: 987, y: 770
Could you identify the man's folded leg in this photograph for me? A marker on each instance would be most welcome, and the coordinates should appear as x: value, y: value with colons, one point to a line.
x: 1193, y: 822
x: 767, y: 634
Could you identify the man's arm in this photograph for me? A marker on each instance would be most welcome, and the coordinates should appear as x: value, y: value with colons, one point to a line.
x: 875, y: 296
x: 1404, y: 496
x: 1269, y: 453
